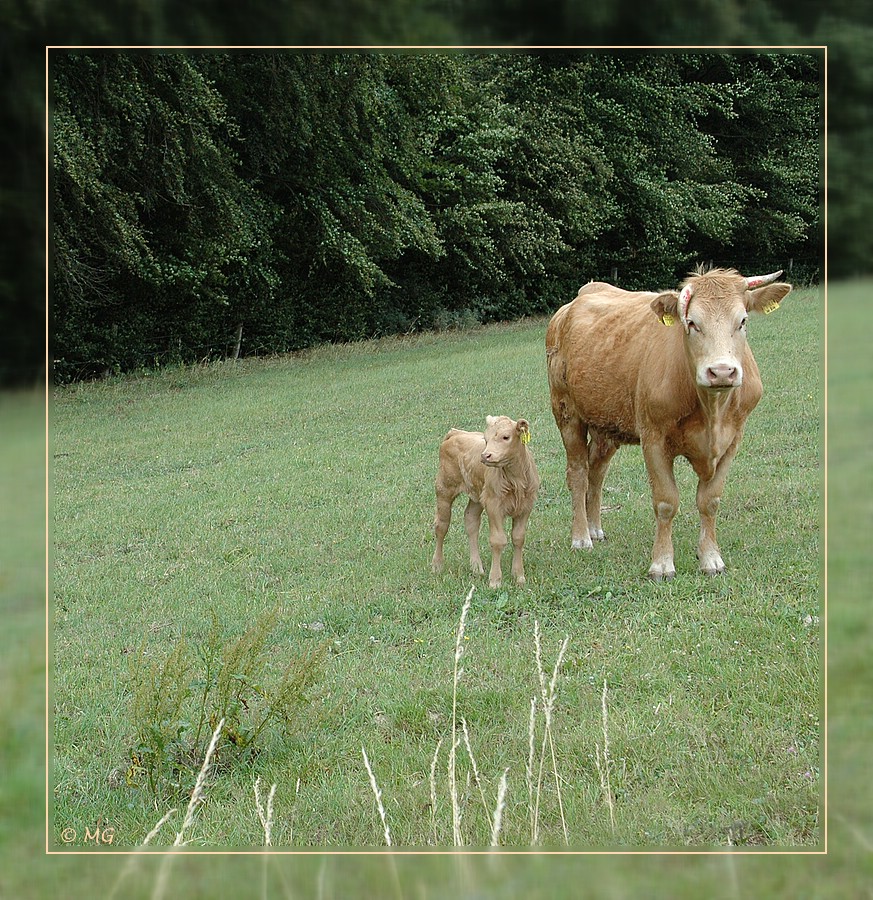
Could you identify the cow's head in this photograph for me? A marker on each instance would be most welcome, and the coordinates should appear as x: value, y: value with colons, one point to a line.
x: 713, y: 308
x: 504, y: 440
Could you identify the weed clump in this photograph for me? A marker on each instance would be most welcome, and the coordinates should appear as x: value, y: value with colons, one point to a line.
x: 177, y: 701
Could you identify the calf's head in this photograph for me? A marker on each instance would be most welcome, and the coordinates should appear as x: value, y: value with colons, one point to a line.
x: 504, y: 440
x: 713, y: 308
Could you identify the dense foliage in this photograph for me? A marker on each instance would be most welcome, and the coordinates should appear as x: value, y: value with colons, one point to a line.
x: 843, y: 29
x: 209, y: 203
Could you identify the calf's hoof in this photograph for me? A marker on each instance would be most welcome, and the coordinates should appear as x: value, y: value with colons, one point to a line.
x: 596, y: 534
x: 582, y: 543
x: 495, y: 582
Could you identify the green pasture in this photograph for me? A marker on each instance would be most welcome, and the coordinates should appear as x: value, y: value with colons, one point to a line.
x: 302, y: 487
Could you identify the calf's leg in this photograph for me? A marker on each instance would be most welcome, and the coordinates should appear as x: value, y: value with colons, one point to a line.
x: 519, y: 530
x: 497, y: 540
x: 441, y: 527
x: 472, y: 521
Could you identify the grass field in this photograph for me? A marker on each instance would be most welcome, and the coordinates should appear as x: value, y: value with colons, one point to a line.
x: 303, y: 486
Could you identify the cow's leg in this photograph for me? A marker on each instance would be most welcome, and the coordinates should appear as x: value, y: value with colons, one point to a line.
x: 709, y: 493
x: 519, y: 530
x: 574, y: 434
x: 497, y: 539
x: 472, y: 521
x: 441, y: 526
x: 665, y: 501
x: 601, y: 449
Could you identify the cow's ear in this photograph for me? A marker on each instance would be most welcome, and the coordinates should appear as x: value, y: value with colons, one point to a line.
x: 767, y: 299
x: 665, y: 308
x: 490, y: 420
x: 522, y: 427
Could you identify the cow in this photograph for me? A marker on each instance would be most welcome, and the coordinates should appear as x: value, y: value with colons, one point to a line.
x: 496, y: 470
x: 670, y: 371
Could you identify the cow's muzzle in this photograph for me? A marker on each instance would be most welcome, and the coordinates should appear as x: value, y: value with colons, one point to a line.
x: 722, y: 375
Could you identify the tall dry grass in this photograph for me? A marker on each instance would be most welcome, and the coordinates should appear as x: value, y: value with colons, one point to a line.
x: 548, y: 693
x: 603, y: 761
x: 541, y: 764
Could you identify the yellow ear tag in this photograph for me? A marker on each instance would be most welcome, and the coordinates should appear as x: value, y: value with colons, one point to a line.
x: 770, y: 307
x: 668, y: 320
x: 525, y: 437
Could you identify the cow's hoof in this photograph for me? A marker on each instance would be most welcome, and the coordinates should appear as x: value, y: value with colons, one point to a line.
x: 711, y: 564
x: 495, y: 584
x: 596, y: 534
x: 582, y: 544
x: 662, y: 572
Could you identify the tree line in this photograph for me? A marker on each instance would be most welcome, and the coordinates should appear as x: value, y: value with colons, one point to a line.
x: 844, y: 27
x: 206, y: 204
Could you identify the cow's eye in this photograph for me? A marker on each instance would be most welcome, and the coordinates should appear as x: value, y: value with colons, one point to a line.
x: 743, y: 322
x: 505, y: 437
x: 693, y: 326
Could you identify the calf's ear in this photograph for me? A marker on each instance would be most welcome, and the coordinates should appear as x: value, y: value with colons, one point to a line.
x: 767, y: 299
x: 665, y: 307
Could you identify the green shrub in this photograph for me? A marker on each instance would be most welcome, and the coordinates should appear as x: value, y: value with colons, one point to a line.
x: 177, y: 702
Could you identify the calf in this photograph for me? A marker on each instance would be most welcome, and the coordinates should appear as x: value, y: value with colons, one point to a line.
x: 497, y: 472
